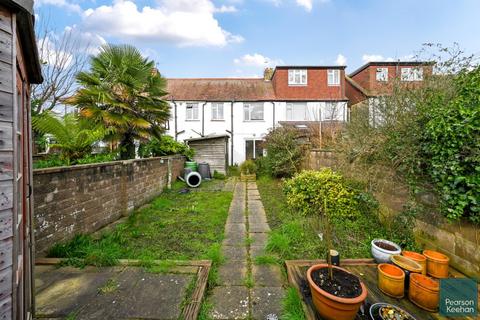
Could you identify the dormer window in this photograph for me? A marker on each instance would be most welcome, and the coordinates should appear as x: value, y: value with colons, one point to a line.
x: 297, y: 77
x: 382, y: 74
x: 333, y: 77
x: 412, y: 74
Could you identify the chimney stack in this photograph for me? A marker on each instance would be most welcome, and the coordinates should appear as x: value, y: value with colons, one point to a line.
x: 267, y: 74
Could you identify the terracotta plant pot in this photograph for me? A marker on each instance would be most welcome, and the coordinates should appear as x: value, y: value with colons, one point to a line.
x: 437, y: 264
x: 331, y: 307
x: 391, y: 280
x: 408, y: 266
x: 418, y: 258
x: 424, y: 292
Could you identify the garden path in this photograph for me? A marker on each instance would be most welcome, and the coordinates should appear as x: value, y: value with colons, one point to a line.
x: 246, y: 290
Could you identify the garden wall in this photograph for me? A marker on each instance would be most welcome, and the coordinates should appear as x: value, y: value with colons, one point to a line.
x: 317, y: 159
x: 85, y: 198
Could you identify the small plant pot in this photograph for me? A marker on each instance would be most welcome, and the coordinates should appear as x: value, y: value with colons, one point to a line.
x: 331, y: 307
x: 382, y: 250
x: 248, y: 177
x: 408, y: 266
x: 391, y: 280
x: 424, y: 292
x: 437, y: 264
x: 418, y: 258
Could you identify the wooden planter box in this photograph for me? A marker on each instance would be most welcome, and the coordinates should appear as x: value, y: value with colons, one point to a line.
x: 248, y: 177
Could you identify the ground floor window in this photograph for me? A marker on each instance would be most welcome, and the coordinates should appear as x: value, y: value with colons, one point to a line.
x: 254, y: 149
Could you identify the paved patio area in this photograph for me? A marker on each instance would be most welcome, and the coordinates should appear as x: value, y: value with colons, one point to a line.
x: 110, y: 293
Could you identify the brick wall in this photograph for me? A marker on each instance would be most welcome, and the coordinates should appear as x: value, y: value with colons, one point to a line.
x: 85, y: 198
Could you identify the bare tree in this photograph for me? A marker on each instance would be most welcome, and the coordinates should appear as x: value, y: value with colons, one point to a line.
x: 62, y: 55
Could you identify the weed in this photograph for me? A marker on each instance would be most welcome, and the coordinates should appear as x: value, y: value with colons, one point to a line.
x: 248, y: 281
x: 163, y: 266
x: 205, y: 309
x: 292, y: 306
x: 110, y: 286
x: 266, y: 260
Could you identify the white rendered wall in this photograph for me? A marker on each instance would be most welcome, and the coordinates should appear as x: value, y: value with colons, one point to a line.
x: 242, y: 129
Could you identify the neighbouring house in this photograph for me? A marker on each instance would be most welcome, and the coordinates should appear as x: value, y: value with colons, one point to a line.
x: 19, y: 67
x: 247, y: 108
x: 369, y: 83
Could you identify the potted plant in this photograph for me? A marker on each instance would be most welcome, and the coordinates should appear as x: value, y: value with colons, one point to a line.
x: 248, y: 170
x: 336, y: 293
x: 383, y: 249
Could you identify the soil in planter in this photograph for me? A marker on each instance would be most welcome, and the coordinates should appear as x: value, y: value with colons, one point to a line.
x: 385, y: 246
x: 344, y: 284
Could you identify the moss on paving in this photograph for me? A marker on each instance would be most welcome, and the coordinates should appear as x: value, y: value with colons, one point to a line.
x: 175, y: 226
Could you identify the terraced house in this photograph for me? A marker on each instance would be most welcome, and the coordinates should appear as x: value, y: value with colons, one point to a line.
x: 245, y: 109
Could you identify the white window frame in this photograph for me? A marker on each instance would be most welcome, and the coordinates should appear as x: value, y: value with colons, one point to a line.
x: 297, y: 77
x: 190, y: 115
x: 290, y: 111
x: 381, y: 74
x: 333, y: 77
x: 329, y: 114
x: 215, y: 107
x: 248, y: 109
x: 411, y: 74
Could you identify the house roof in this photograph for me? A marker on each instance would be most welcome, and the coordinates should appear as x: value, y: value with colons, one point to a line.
x: 390, y: 63
x: 212, y: 136
x: 364, y: 91
x: 220, y: 89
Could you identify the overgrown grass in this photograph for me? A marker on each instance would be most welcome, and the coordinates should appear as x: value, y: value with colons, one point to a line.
x: 294, y: 236
x: 174, y: 227
x: 292, y: 306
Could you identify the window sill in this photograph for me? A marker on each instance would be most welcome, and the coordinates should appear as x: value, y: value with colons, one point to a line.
x: 253, y: 120
x: 333, y: 85
x: 297, y: 85
x: 192, y: 120
x: 217, y: 120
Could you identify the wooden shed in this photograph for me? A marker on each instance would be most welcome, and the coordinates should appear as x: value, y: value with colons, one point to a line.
x: 19, y: 67
x: 211, y: 149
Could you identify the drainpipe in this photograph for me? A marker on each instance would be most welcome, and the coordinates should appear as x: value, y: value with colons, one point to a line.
x: 273, y: 108
x: 175, y: 118
x: 203, y: 119
x: 231, y: 132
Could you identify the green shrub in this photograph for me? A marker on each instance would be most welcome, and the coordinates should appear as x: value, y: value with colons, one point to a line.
x: 233, y: 171
x: 248, y: 167
x: 55, y: 160
x: 164, y: 146
x: 217, y: 175
x: 307, y: 191
x: 263, y: 166
x: 285, y: 153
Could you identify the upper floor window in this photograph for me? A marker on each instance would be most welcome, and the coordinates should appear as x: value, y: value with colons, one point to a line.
x: 192, y: 111
x: 296, y: 112
x: 297, y: 77
x: 382, y: 74
x: 217, y: 111
x: 253, y: 111
x: 412, y: 74
x: 333, y: 77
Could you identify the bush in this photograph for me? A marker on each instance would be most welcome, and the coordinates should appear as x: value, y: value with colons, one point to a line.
x: 164, y: 146
x: 217, y: 175
x: 56, y: 160
x: 284, y: 152
x: 307, y: 191
x: 248, y: 167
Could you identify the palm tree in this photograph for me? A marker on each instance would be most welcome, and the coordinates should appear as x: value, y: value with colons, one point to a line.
x: 74, y: 136
x: 123, y: 91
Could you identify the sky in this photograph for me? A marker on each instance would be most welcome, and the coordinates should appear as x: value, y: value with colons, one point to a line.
x: 239, y: 38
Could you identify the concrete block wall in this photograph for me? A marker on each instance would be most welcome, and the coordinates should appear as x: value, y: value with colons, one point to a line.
x: 85, y: 198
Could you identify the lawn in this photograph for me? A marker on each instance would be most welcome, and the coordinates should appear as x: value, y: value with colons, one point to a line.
x: 175, y: 226
x: 294, y: 236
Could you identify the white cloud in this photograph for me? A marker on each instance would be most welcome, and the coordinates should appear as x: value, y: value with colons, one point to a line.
x: 257, y: 60
x: 307, y: 4
x: 341, y: 60
x: 226, y: 9
x: 378, y: 57
x: 60, y: 3
x: 183, y: 22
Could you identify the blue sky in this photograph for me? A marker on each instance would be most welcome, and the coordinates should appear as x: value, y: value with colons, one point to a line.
x: 238, y: 38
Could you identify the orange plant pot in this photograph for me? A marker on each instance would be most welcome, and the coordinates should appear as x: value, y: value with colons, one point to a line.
x: 391, y: 280
x: 437, y: 264
x: 418, y: 258
x: 331, y: 307
x: 424, y: 292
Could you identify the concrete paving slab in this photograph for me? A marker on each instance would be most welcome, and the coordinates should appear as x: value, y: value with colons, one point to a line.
x: 235, y: 228
x: 232, y: 273
x: 259, y: 227
x: 230, y: 303
x: 266, y: 301
x: 267, y: 275
x: 259, y: 238
x: 256, y: 251
x: 235, y: 253
x: 252, y: 186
